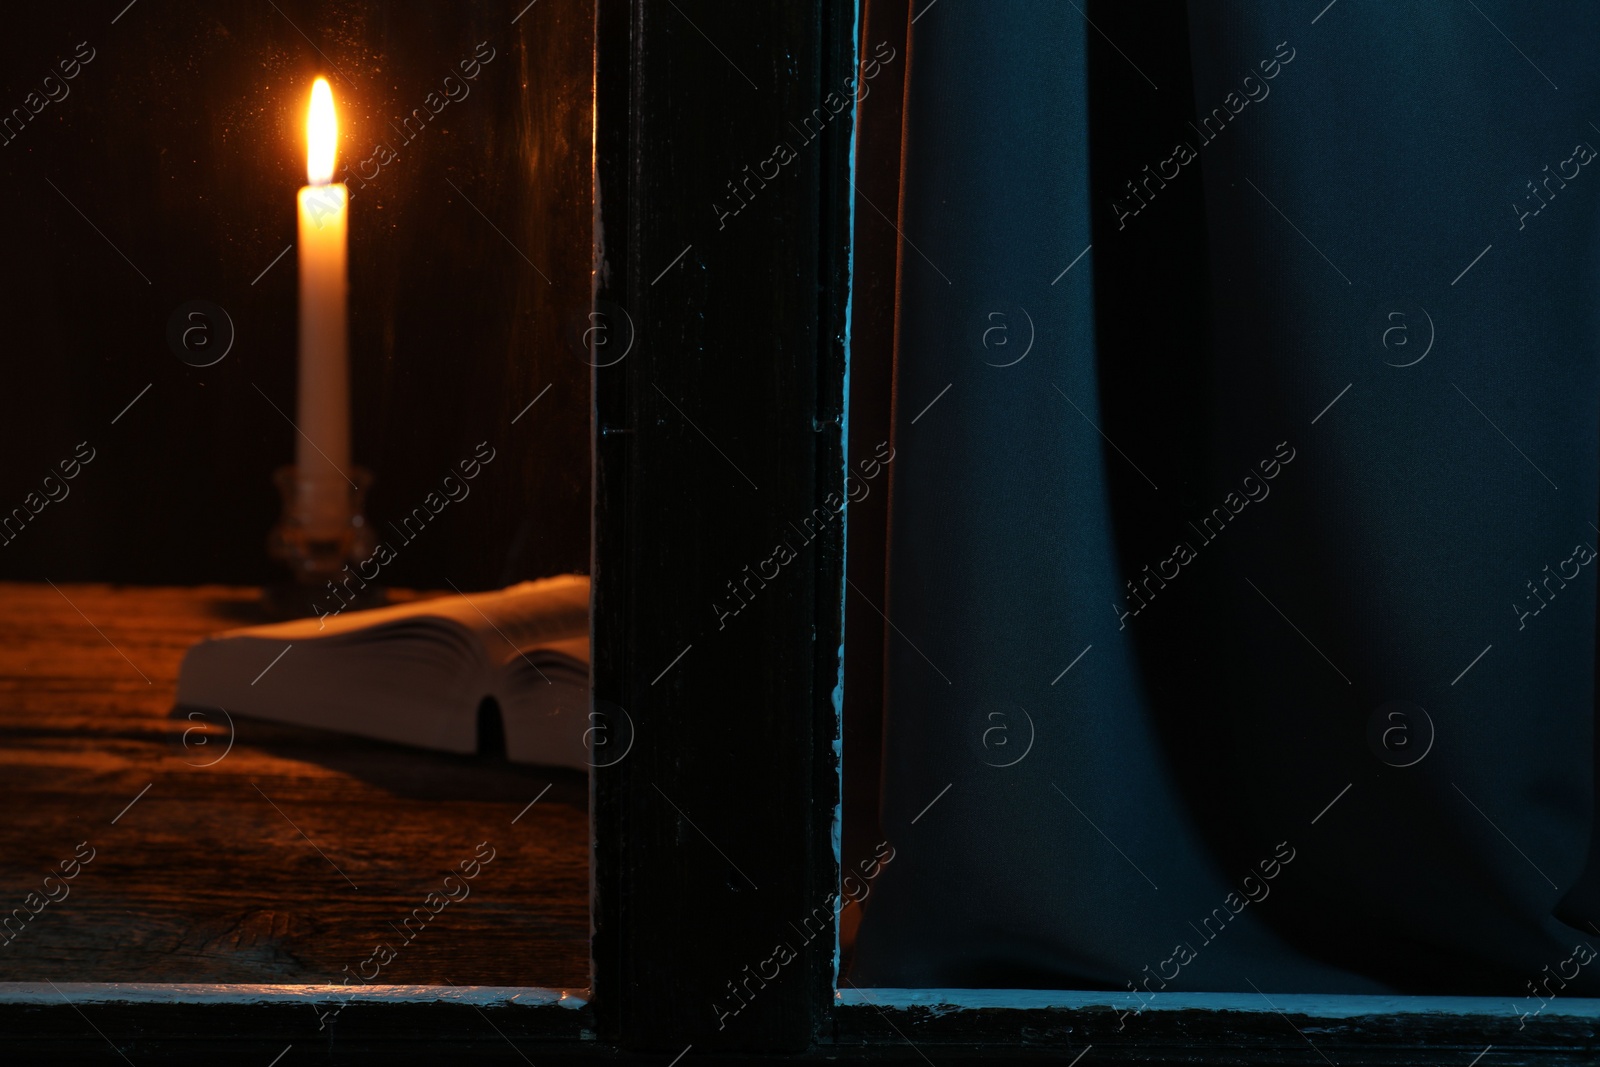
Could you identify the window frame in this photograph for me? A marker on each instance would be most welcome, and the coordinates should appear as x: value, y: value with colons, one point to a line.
x: 728, y: 756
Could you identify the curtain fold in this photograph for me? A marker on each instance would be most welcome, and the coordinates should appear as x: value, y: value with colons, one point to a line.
x: 1243, y: 620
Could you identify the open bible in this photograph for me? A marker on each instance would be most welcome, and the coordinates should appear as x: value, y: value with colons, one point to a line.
x: 431, y: 673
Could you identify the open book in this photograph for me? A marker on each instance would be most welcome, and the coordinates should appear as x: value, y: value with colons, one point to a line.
x: 421, y: 673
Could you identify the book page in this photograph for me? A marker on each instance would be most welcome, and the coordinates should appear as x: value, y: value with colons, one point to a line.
x: 522, y: 616
x: 505, y: 621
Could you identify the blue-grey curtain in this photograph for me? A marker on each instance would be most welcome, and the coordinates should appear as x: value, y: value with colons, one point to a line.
x: 1243, y: 625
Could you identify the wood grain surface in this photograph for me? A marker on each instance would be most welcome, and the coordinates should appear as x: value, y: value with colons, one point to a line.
x: 287, y: 857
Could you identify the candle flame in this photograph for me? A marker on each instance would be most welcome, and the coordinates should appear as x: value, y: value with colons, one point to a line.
x: 322, y: 134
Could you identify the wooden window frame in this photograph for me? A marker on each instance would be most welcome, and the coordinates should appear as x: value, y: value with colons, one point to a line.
x: 718, y: 831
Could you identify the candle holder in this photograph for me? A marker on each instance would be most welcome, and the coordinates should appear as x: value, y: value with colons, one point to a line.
x: 317, y: 547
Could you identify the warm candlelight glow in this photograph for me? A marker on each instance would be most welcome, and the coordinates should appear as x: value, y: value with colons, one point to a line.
x: 322, y: 134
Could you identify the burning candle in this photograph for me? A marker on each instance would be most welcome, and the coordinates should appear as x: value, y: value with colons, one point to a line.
x: 322, y: 448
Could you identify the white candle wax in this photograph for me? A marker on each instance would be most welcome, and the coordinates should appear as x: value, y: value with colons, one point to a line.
x: 322, y: 447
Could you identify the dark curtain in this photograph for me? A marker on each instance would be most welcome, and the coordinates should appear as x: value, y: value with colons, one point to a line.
x: 1243, y: 508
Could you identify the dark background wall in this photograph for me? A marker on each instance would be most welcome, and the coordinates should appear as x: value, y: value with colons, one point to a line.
x: 167, y: 173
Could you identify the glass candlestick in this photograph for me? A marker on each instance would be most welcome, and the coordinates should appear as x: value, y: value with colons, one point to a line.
x: 320, y: 545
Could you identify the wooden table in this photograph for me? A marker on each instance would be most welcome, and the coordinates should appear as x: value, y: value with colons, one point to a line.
x: 285, y: 858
